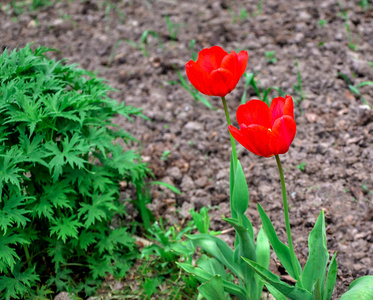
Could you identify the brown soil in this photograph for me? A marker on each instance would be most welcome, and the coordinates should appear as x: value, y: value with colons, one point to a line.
x: 334, y: 127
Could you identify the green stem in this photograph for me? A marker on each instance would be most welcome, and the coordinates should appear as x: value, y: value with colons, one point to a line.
x: 229, y: 123
x: 287, y: 223
x: 28, y: 259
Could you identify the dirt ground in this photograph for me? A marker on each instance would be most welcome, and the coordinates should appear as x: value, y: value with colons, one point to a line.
x: 187, y: 144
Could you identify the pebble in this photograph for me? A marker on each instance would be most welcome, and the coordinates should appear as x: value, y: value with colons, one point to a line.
x: 187, y: 183
x: 194, y: 126
x: 175, y: 173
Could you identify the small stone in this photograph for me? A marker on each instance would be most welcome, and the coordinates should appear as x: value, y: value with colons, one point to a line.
x: 187, y: 183
x: 184, y: 211
x: 64, y: 296
x: 195, y: 126
x: 175, y: 173
x: 201, y: 182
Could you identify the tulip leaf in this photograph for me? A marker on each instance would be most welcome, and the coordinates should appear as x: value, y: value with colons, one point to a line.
x: 316, y: 290
x: 275, y: 293
x: 282, y: 251
x: 290, y: 291
x: 247, y: 224
x: 218, y: 249
x: 246, y: 248
x: 213, y: 289
x: 212, y: 266
x: 240, y: 196
x: 262, y: 249
x: 204, y: 276
x: 318, y: 256
x: 262, y: 256
x: 331, y: 278
x: 361, y: 288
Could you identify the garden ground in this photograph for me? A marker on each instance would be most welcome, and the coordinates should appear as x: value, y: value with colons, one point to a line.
x: 329, y: 165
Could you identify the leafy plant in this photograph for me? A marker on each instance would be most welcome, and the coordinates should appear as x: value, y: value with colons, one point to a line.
x: 211, y: 270
x: 322, y: 23
x: 144, y: 41
x: 302, y: 166
x: 250, y: 81
x: 351, y: 44
x: 173, y: 29
x: 19, y: 7
x: 271, y: 57
x: 298, y: 87
x: 60, y: 166
x: 191, y: 48
x: 364, y: 4
x: 355, y: 88
x: 191, y: 90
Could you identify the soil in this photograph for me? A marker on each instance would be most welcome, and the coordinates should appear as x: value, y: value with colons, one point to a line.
x: 334, y: 127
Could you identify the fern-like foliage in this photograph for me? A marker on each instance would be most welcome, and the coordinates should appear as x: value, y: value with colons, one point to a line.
x: 60, y: 168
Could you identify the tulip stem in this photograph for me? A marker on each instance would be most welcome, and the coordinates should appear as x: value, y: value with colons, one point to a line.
x: 287, y: 223
x: 229, y: 123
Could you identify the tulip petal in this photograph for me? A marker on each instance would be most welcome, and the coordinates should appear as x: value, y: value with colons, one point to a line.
x: 283, y: 133
x: 230, y: 63
x: 254, y: 112
x: 242, y: 63
x: 210, y: 59
x: 289, y: 106
x: 254, y: 138
x: 197, y: 76
x: 220, y: 83
x: 238, y: 136
x: 282, y: 106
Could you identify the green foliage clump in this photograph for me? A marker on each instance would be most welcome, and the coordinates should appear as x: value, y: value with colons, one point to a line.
x: 61, y: 163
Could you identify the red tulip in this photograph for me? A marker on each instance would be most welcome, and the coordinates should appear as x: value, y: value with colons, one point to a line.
x: 216, y: 73
x: 266, y: 131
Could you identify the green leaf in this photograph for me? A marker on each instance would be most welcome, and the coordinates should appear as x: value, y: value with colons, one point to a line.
x: 292, y: 292
x: 282, y: 251
x: 62, y: 280
x: 58, y: 251
x: 275, y: 293
x: 167, y: 185
x: 116, y: 237
x: 213, y: 289
x: 19, y: 284
x: 354, y: 90
x: 316, y: 290
x: 201, y: 219
x: 43, y: 208
x: 246, y: 248
x: 66, y: 227
x: 318, y: 256
x: 262, y: 256
x: 240, y: 196
x: 71, y: 150
x: 8, y: 255
x: 150, y: 286
x: 360, y: 289
x: 204, y: 276
x: 218, y: 249
x: 212, y: 266
x: 99, y: 210
x: 262, y: 249
x: 9, y: 170
x: 100, y: 267
x: 331, y: 278
x: 12, y: 213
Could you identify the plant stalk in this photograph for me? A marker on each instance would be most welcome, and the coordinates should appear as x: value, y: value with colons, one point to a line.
x: 287, y: 223
x: 231, y: 137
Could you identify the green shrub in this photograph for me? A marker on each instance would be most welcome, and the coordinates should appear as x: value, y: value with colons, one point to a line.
x: 60, y: 167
